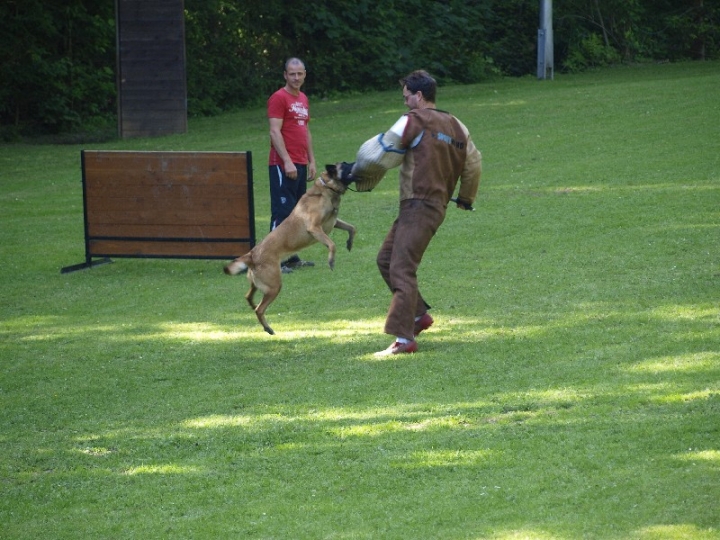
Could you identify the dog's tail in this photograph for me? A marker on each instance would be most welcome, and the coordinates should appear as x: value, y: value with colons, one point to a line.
x: 238, y: 265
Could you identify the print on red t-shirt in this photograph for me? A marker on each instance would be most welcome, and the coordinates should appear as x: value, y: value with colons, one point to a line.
x: 295, y: 114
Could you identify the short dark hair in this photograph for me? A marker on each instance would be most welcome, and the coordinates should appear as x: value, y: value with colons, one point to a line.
x: 420, y: 80
x: 293, y: 60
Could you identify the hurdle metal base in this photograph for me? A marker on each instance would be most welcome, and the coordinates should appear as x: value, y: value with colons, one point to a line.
x: 86, y: 264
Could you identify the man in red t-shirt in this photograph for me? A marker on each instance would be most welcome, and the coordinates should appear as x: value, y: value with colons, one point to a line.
x: 291, y: 161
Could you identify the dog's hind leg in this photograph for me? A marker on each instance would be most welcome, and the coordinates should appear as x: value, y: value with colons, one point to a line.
x: 267, y: 279
x: 345, y: 226
x: 250, y: 295
x: 259, y: 309
x: 267, y: 299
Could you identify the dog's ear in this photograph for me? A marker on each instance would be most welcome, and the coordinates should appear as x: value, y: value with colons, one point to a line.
x: 331, y: 170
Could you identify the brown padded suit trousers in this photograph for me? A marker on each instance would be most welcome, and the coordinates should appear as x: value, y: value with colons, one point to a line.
x: 398, y: 261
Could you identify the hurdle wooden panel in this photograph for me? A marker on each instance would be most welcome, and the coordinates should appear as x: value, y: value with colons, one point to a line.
x: 167, y: 204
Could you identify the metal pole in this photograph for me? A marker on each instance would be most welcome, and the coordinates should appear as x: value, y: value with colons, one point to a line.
x: 545, y: 63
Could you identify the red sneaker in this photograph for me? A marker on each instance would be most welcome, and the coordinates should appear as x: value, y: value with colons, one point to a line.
x: 399, y: 348
x: 423, y: 323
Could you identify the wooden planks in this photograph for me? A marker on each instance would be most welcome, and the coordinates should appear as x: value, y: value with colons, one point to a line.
x: 168, y: 204
x: 151, y: 67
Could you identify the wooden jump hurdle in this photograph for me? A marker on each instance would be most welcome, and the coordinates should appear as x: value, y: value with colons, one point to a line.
x: 188, y: 205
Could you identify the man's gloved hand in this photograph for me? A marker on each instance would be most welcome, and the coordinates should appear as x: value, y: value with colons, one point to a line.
x: 463, y: 205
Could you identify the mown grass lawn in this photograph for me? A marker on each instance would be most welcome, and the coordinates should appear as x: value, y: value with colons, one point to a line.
x: 570, y: 387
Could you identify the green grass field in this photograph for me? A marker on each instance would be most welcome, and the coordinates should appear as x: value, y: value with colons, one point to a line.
x: 570, y: 387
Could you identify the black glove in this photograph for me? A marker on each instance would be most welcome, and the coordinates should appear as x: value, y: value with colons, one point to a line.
x: 463, y: 204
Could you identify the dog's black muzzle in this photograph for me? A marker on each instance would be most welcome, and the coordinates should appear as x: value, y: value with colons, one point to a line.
x: 346, y: 176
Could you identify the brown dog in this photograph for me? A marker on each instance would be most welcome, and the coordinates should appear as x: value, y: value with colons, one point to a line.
x: 313, y: 217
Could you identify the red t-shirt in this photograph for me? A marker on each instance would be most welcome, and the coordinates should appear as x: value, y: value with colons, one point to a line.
x: 295, y: 114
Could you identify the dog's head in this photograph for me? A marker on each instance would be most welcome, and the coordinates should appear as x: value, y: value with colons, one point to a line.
x: 339, y: 174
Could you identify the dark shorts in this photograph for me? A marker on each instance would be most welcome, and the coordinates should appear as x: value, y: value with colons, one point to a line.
x: 285, y: 192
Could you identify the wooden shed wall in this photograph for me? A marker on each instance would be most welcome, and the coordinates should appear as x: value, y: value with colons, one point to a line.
x: 151, y: 68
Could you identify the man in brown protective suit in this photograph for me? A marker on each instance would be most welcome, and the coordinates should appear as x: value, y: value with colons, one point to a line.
x: 434, y: 150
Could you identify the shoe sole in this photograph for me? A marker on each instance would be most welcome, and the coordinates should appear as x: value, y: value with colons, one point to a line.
x: 390, y: 352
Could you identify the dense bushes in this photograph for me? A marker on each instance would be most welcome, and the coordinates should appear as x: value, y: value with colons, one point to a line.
x: 57, y: 64
x: 57, y: 59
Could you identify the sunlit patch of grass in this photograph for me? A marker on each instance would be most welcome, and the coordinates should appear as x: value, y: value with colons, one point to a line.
x: 688, y: 397
x: 204, y: 331
x: 523, y: 533
x: 215, y: 421
x: 370, y: 430
x: 682, y: 531
x: 445, y: 458
x: 686, y: 312
x: 96, y: 451
x: 696, y: 362
x: 712, y: 457
x: 162, y: 470
x: 337, y: 331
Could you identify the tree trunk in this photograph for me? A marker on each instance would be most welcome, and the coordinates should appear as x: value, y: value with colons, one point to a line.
x: 602, y: 23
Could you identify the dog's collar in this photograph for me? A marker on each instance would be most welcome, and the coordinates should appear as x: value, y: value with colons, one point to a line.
x: 327, y: 186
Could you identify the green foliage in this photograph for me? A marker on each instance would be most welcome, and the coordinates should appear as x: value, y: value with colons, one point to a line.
x: 590, y: 33
x: 56, y: 64
x: 569, y: 389
x: 693, y: 33
x: 511, y: 42
x: 227, y: 53
x: 57, y: 59
x: 590, y: 52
